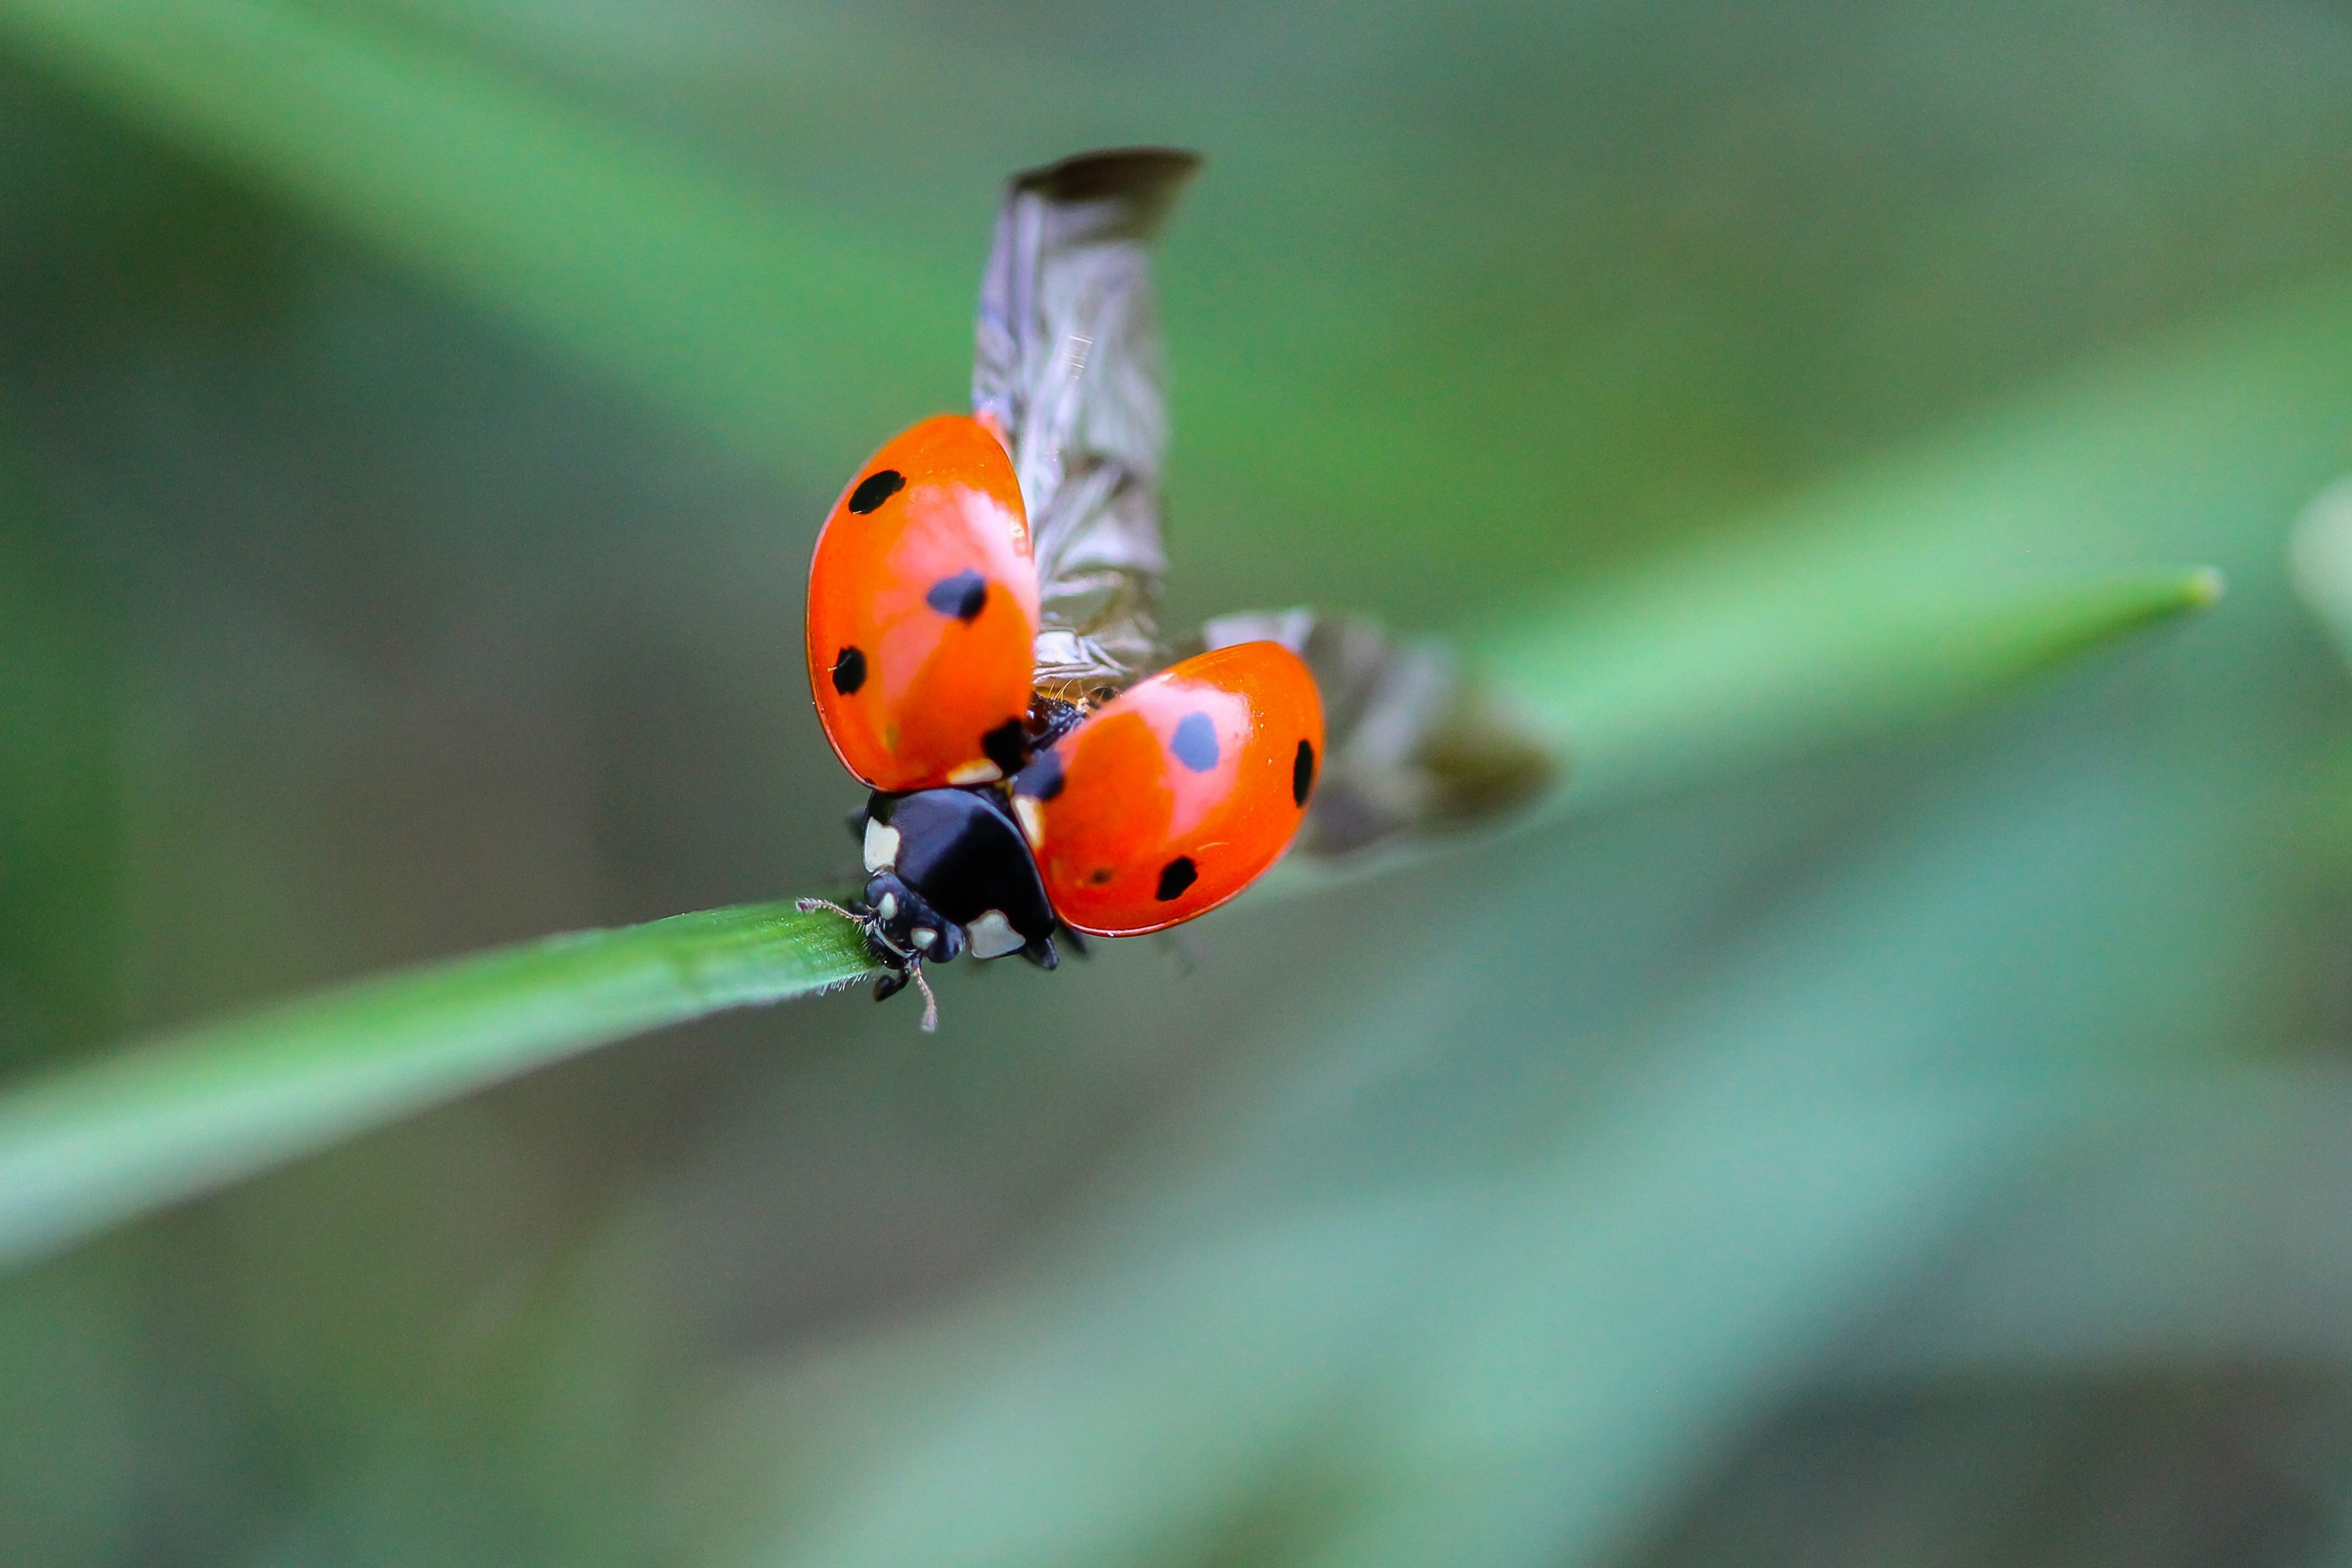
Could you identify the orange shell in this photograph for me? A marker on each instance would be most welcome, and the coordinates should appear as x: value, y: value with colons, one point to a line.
x: 1176, y: 795
x: 922, y: 612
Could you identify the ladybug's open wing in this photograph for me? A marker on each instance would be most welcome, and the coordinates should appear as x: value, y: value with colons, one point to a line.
x: 1413, y: 743
x: 1068, y: 367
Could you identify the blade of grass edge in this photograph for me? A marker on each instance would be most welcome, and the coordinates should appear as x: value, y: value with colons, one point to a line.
x: 103, y: 1141
x: 1662, y: 686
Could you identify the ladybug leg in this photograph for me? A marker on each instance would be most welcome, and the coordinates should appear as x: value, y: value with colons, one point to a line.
x: 903, y: 966
x: 1040, y: 952
x: 930, y: 1003
x: 891, y: 983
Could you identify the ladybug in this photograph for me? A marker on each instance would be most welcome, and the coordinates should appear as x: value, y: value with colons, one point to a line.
x: 1001, y: 817
x: 979, y: 625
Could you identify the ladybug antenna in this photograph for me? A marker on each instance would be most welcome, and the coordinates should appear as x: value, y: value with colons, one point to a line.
x: 810, y: 907
x: 930, y: 1003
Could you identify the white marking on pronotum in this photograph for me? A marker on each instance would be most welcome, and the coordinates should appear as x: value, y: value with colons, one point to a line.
x: 993, y: 936
x: 881, y: 847
x: 1032, y: 819
x: 975, y: 772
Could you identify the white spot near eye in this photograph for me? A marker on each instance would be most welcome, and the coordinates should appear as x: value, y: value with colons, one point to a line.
x: 975, y: 772
x: 924, y: 936
x: 881, y: 847
x: 888, y: 908
x: 1032, y: 819
x: 993, y: 936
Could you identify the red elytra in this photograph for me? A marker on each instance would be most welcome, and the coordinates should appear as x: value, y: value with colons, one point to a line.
x: 1178, y: 794
x: 922, y: 612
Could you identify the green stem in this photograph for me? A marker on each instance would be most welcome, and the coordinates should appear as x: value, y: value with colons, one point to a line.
x: 100, y: 1143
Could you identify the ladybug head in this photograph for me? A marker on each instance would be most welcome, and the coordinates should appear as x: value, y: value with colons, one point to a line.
x: 946, y: 872
x: 907, y: 925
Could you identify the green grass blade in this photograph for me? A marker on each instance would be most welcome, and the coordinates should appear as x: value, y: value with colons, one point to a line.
x: 98, y: 1144
x: 1707, y: 664
x: 793, y: 340
x: 1697, y: 666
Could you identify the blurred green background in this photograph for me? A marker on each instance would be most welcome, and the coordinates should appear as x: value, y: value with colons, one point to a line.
x: 1837, y: 1143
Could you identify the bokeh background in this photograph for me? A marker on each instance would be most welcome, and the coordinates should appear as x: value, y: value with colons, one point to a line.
x: 1906, y: 1145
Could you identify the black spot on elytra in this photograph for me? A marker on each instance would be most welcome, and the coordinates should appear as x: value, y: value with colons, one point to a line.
x: 1195, y: 742
x: 848, y: 671
x: 962, y: 596
x: 875, y: 488
x: 1176, y: 876
x: 1302, y: 772
x: 1100, y: 875
x: 1042, y: 779
x: 1006, y: 746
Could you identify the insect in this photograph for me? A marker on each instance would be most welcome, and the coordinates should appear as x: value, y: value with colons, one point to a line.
x: 983, y: 652
x: 985, y: 677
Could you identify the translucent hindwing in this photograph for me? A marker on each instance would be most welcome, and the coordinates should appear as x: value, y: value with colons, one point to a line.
x: 1068, y: 367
